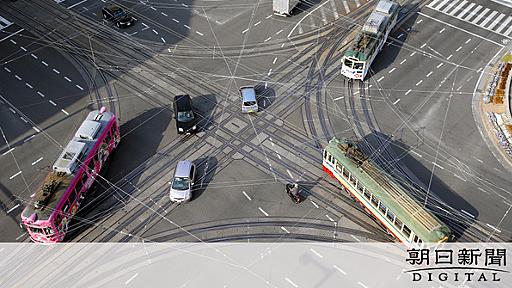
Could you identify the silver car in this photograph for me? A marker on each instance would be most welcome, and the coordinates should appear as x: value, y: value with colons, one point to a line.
x: 182, y: 182
x: 249, y: 103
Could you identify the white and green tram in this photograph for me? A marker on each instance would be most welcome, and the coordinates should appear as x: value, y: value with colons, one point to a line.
x: 358, y: 58
x: 382, y: 196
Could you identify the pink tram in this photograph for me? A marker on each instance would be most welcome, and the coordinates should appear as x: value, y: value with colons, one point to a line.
x: 58, y: 198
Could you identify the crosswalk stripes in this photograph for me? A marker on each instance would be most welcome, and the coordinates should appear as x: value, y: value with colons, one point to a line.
x: 4, y: 23
x: 485, y: 18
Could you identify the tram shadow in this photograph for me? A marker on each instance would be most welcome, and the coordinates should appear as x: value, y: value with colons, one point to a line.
x: 121, y: 178
x: 395, y: 158
x: 395, y: 41
x: 204, y: 106
x: 304, y: 6
x: 264, y: 96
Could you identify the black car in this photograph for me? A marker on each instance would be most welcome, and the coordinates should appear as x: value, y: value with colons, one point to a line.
x: 112, y: 12
x: 184, y: 114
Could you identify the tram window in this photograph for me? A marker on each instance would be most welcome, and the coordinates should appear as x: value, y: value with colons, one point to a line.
x: 338, y: 167
x: 358, y: 65
x: 91, y: 166
x: 72, y: 197
x: 382, y: 208
x: 398, y: 224
x: 367, y: 194
x: 390, y: 216
x: 375, y: 202
x: 360, y: 187
x: 416, y: 238
x: 325, y: 154
x: 348, y: 63
x: 407, y: 231
x: 345, y: 173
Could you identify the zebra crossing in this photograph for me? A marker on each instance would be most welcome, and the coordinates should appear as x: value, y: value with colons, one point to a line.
x: 470, y: 12
x: 4, y: 23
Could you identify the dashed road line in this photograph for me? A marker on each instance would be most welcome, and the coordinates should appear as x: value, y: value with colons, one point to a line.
x: 314, y: 204
x: 435, y: 164
x: 186, y: 26
x: 316, y: 253
x: 33, y: 56
x: 291, y: 282
x: 263, y: 211
x: 440, y: 64
x: 355, y: 238
x: 23, y: 48
x: 29, y: 86
x: 65, y: 112
x: 67, y: 79
x: 175, y: 20
x: 243, y: 32
x: 79, y: 87
x: 7, y: 69
x: 17, y: 77
x: 8, y: 151
x: 339, y: 269
x: 13, y: 208
x: 44, y: 63
x: 56, y: 71
x: 408, y: 91
x: 154, y: 31
x: 391, y: 71
x: 378, y: 80
x: 279, y: 32
x: 53, y: 103
x: 246, y: 196
x: 329, y: 217
x: 285, y: 230
x: 467, y: 213
x: 199, y: 33
x: 419, y: 82
x: 429, y: 73
x: 257, y: 23
x: 40, y: 94
x: 12, y: 177
x: 403, y: 61
x: 396, y: 102
x: 289, y: 173
x: 266, y: 40
x: 164, y: 14
x: 494, y: 228
x: 37, y: 161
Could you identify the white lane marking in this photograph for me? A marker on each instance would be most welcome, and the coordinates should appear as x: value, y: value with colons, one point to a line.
x: 18, y: 238
x: 467, y: 41
x: 478, y: 159
x: 40, y: 94
x: 451, y: 55
x: 23, y: 119
x: 163, y: 40
x: 458, y: 49
x: 152, y: 8
x: 302, y: 19
x: 269, y: 72
x: 396, y: 102
x: 44, y: 63
x: 345, y: 5
x: 154, y: 31
x: 291, y: 282
x: 243, y: 32
x: 424, y: 44
x: 36, y: 129
x: 419, y: 155
x: 435, y: 164
x: 175, y: 20
x: 403, y: 61
x: 329, y: 217
x: 79, y: 87
x: 246, y: 196
x: 184, y: 5
x: 362, y: 285
x: 257, y: 23
x: 266, y: 40
x: 419, y: 82
x: 13, y: 208
x: 29, y: 86
x: 64, y: 111
x: 316, y: 253
x: 391, y: 71
x: 274, y: 62
x: 355, y: 238
x: 279, y: 32
x: 12, y: 177
x: 268, y: 16
x: 314, y: 204
x: 37, y: 161
x: 17, y: 77
x: 186, y: 26
x: 442, y: 30
x: 56, y: 71
x: 289, y: 173
x: 33, y: 56
x: 67, y: 78
x: 76, y: 4
x: 199, y: 33
x: 453, y: 26
x: 341, y: 97
x: 278, y: 156
x: 378, y: 80
x: 53, y: 103
x: 12, y: 110
x: 263, y: 211
x: 11, y: 35
x: 494, y: 228
x: 408, y: 91
x: 467, y: 213
x: 131, y: 278
x: 164, y: 14
x: 339, y: 269
x: 419, y: 21
x: 399, y: 36
x: 29, y: 138
x: 13, y: 42
x: 7, y: 69
x: 429, y: 73
x: 412, y: 54
x: 23, y: 48
x: 440, y: 64
x: 8, y: 151
x: 285, y: 230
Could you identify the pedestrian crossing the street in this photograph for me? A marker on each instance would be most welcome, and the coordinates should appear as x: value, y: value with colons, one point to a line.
x: 488, y: 19
x: 4, y: 23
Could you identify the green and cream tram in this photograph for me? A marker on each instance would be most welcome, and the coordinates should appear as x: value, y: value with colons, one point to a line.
x: 382, y: 196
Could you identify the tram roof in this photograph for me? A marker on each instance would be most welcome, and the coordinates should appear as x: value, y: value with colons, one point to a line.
x: 424, y: 224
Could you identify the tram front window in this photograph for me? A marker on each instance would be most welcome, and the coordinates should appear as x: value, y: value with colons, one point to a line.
x: 359, y: 65
x: 348, y: 63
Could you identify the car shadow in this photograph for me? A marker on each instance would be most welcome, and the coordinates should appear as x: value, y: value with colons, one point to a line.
x: 264, y: 96
x: 206, y: 168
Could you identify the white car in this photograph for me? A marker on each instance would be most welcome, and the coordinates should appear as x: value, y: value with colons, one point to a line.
x: 182, y: 182
x: 249, y: 103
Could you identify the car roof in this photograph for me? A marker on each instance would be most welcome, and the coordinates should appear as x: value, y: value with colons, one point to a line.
x: 183, y: 102
x: 248, y: 93
x: 183, y: 169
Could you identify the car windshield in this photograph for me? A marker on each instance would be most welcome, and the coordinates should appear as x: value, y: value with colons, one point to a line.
x: 185, y: 116
x: 249, y: 103
x: 180, y: 183
x: 119, y: 13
